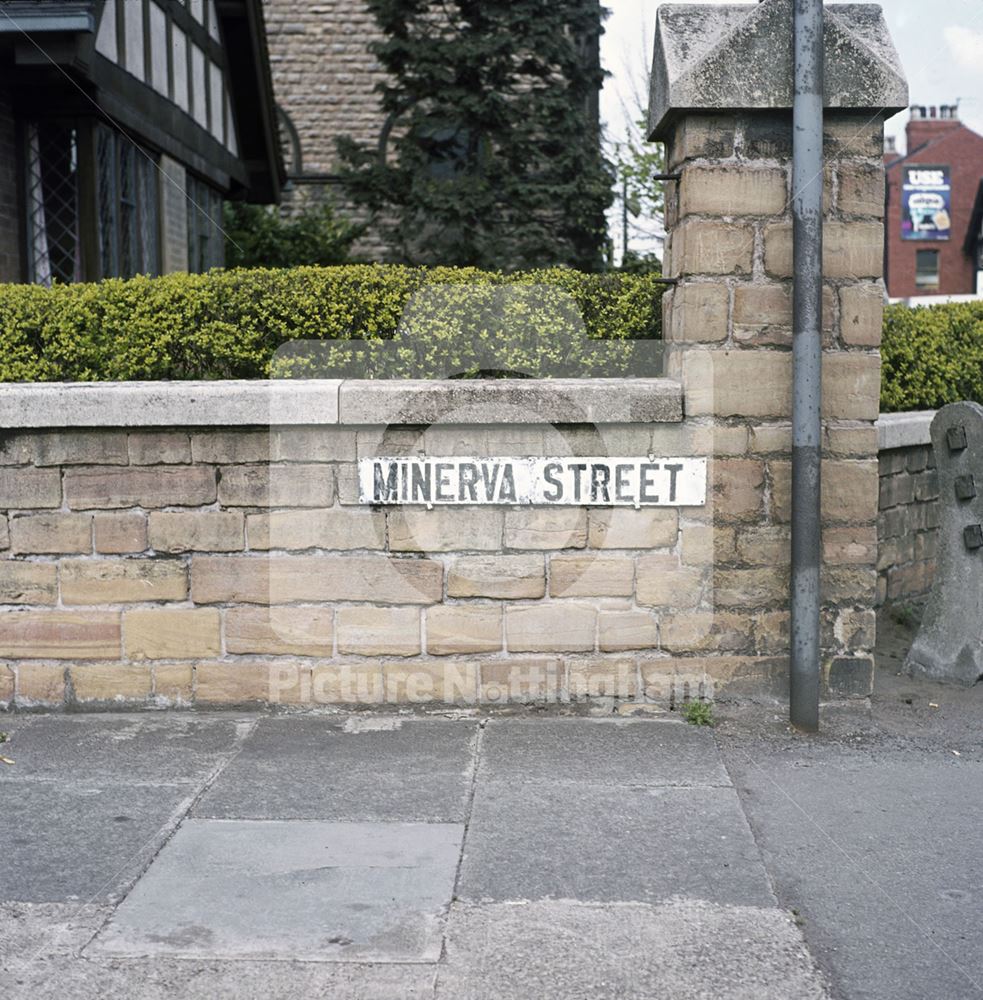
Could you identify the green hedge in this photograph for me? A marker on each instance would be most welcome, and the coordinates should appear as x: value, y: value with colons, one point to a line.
x: 231, y: 324
x: 931, y: 356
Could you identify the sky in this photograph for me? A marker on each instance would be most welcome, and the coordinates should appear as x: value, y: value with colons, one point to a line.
x: 940, y: 43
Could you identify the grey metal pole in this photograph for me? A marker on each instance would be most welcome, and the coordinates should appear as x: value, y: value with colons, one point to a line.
x: 807, y: 301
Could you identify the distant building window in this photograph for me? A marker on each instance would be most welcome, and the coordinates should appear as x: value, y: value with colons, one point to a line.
x: 129, y: 210
x: 206, y: 241
x: 450, y: 150
x: 54, y: 245
x: 927, y: 268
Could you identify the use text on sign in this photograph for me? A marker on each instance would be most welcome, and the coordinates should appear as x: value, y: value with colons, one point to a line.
x: 621, y: 482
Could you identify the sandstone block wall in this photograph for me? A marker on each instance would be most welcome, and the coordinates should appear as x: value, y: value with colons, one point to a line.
x: 908, y: 519
x: 728, y: 328
x: 907, y: 525
x: 147, y: 563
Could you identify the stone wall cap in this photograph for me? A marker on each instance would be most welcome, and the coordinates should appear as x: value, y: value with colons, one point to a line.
x: 167, y: 404
x: 904, y: 430
x: 512, y: 401
x: 739, y: 56
x: 35, y: 405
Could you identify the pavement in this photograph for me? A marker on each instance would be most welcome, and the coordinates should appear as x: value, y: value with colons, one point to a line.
x: 375, y: 856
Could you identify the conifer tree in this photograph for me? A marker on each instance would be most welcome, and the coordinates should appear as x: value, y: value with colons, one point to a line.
x: 491, y: 154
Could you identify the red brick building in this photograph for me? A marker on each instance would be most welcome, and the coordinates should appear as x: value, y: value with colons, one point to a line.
x: 934, y: 207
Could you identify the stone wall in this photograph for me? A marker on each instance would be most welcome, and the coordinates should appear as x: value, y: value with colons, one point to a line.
x: 728, y: 330
x: 149, y: 563
x: 908, y: 520
x: 161, y: 547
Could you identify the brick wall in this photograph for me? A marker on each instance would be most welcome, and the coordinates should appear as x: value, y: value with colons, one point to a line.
x: 908, y: 520
x: 10, y: 254
x: 935, y: 142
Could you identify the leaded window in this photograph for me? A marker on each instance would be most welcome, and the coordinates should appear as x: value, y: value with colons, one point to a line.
x: 129, y: 223
x: 206, y: 240
x: 54, y: 244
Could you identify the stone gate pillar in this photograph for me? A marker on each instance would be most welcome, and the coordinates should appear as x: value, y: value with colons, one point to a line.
x: 728, y: 320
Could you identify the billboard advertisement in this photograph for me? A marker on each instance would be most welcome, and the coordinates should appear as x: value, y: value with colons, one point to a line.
x: 926, y: 202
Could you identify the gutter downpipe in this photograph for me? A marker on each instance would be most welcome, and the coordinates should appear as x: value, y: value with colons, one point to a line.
x: 807, y: 292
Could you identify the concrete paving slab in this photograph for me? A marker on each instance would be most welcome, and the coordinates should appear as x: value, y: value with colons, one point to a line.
x: 638, y: 752
x: 34, y: 931
x: 68, y: 840
x: 411, y: 770
x: 341, y: 892
x: 167, y: 978
x: 879, y: 851
x: 682, y: 949
x: 131, y: 748
x: 603, y: 844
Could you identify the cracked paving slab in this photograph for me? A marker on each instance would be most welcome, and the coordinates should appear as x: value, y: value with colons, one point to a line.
x: 682, y: 948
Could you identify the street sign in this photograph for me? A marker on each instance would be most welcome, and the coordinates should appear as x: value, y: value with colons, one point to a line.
x: 617, y: 482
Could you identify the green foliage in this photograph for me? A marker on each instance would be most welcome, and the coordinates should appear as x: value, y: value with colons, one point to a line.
x: 698, y: 713
x: 640, y: 263
x: 492, y: 153
x: 258, y: 236
x: 931, y: 356
x: 230, y: 324
x: 637, y: 163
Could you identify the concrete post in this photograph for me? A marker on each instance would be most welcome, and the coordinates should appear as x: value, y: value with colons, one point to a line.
x: 728, y: 321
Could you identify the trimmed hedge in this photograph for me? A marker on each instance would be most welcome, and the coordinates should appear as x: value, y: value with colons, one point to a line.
x: 371, y: 321
x: 931, y: 355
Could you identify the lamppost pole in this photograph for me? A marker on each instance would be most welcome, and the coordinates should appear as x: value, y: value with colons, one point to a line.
x: 807, y: 241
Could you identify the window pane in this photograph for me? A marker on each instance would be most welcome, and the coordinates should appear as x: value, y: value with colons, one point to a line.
x: 216, y: 243
x: 128, y: 245
x: 52, y: 209
x: 149, y: 222
x: 179, y: 59
x: 133, y: 34
x: 194, y: 224
x: 206, y: 244
x: 108, y: 236
x: 927, y: 268
x: 158, y: 49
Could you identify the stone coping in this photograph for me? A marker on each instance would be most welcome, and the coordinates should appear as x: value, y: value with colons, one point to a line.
x: 904, y: 430
x: 714, y: 56
x: 332, y: 401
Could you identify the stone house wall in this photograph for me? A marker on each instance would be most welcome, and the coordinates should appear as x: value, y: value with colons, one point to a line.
x: 324, y: 79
